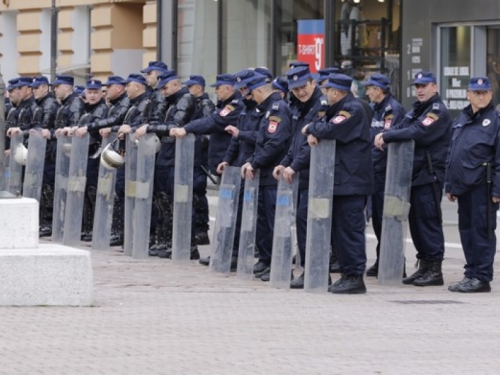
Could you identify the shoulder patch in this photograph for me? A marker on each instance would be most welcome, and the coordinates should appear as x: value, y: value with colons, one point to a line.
x: 276, y: 106
x: 273, y: 124
x: 226, y: 110
x: 275, y: 118
x: 432, y: 115
x: 387, y: 121
x: 345, y: 114
x: 338, y: 119
x: 428, y: 121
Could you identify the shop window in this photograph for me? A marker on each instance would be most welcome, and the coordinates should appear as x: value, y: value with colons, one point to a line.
x: 455, y: 67
x: 493, y: 62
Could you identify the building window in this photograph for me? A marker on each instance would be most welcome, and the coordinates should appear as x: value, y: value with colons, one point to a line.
x: 493, y: 62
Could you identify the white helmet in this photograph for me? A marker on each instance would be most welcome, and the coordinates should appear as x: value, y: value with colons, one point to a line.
x: 110, y: 157
x: 67, y: 149
x: 21, y: 154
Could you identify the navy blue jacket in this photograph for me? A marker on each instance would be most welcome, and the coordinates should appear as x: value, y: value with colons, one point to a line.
x: 298, y: 156
x: 386, y: 114
x: 474, y: 144
x: 116, y: 114
x: 158, y: 109
x: 241, y: 148
x: 27, y: 109
x: 204, y: 107
x: 227, y: 113
x: 429, y: 124
x: 138, y: 112
x: 69, y: 112
x: 45, y: 117
x: 273, y: 137
x: 348, y: 123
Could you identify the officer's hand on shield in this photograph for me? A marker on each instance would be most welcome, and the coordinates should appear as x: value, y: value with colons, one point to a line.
x: 233, y: 130
x: 6, y: 152
x: 288, y: 174
x: 80, y: 132
x: 141, y: 131
x: 59, y: 132
x: 123, y: 130
x: 69, y: 131
x: 495, y: 199
x: 379, y: 141
x: 451, y: 197
x: 222, y: 166
x: 46, y: 133
x: 177, y: 132
x: 247, y: 171
x: 13, y: 131
x: 105, y: 132
x: 312, y: 140
x: 278, y: 171
x: 304, y: 130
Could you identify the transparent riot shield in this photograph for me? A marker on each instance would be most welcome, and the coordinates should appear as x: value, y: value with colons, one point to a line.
x: 15, y: 168
x: 183, y: 199
x: 130, y: 185
x: 33, y: 176
x: 283, y: 236
x: 227, y: 209
x: 61, y: 187
x: 396, y: 210
x: 103, y: 216
x: 246, y: 250
x: 144, y: 195
x: 77, y: 180
x: 319, y: 216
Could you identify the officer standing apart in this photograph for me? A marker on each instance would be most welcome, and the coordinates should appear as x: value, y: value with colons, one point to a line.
x: 429, y: 124
x: 473, y: 178
x: 387, y: 112
x: 271, y: 145
x: 347, y: 122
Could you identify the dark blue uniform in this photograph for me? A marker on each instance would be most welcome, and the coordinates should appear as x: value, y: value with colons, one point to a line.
x: 348, y: 123
x: 386, y: 114
x: 227, y: 113
x: 475, y: 148
x: 429, y: 124
x: 298, y: 158
x: 271, y: 145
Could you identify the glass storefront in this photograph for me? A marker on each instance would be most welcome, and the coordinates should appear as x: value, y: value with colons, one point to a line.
x: 493, y: 62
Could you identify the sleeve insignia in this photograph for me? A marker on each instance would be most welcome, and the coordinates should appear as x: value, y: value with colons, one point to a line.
x: 345, y: 114
x: 387, y: 122
x: 428, y: 121
x: 435, y: 106
x: 432, y: 115
x: 276, y: 106
x: 275, y: 119
x: 226, y: 110
x: 337, y: 119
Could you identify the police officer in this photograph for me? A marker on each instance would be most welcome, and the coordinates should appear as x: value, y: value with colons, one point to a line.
x: 44, y: 117
x: 297, y: 159
x: 12, y: 115
x: 271, y: 145
x: 473, y: 178
x: 26, y: 107
x: 72, y: 107
x: 323, y: 76
x: 347, y: 122
x: 228, y: 109
x: 95, y: 110
x: 204, y: 107
x: 158, y: 103
x: 181, y: 109
x: 280, y: 85
x: 429, y: 124
x: 387, y: 112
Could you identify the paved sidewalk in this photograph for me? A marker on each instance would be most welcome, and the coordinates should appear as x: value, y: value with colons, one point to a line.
x: 151, y: 317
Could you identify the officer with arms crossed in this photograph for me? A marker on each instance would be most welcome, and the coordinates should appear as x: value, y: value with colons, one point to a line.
x: 429, y: 124
x: 473, y: 178
x: 347, y: 122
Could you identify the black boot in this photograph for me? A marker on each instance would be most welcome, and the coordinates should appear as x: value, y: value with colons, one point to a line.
x: 433, y: 275
x: 298, y: 282
x: 46, y: 206
x: 349, y: 284
x: 423, y: 265
x: 116, y: 238
x: 88, y: 213
x: 373, y: 270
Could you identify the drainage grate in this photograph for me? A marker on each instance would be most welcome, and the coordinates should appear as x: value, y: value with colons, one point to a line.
x: 428, y: 302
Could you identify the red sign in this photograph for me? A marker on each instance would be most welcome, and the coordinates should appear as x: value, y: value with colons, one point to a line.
x: 311, y: 43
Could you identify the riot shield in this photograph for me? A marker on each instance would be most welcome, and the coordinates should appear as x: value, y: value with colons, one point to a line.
x: 144, y: 195
x: 15, y: 168
x: 61, y: 187
x: 77, y: 180
x: 33, y: 176
x: 283, y: 236
x: 246, y: 250
x: 103, y: 216
x: 227, y: 209
x: 130, y: 178
x: 319, y: 216
x: 183, y: 199
x: 396, y: 210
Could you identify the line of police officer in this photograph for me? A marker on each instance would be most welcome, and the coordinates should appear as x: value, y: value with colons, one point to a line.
x: 254, y: 127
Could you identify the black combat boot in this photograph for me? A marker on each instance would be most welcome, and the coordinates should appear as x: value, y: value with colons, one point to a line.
x: 116, y: 238
x: 348, y: 284
x: 455, y: 287
x: 423, y: 265
x: 46, y: 207
x: 432, y: 277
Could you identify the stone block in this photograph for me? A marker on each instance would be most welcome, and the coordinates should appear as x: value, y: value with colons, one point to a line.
x: 52, y: 275
x: 18, y: 223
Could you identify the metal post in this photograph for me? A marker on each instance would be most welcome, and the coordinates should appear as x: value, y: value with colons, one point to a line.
x: 53, y: 41
x: 3, y: 182
x: 330, y: 32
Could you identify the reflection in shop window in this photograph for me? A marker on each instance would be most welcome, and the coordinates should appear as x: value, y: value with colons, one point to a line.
x: 493, y: 67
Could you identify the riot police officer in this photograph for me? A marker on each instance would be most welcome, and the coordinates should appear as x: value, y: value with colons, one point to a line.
x: 473, y: 179
x: 347, y: 122
x: 429, y: 124
x: 45, y: 115
x: 297, y: 159
x: 271, y: 145
x: 72, y: 107
x: 387, y: 112
x: 158, y: 103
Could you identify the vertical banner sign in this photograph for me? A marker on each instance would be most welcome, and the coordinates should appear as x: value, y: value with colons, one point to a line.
x: 311, y: 43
